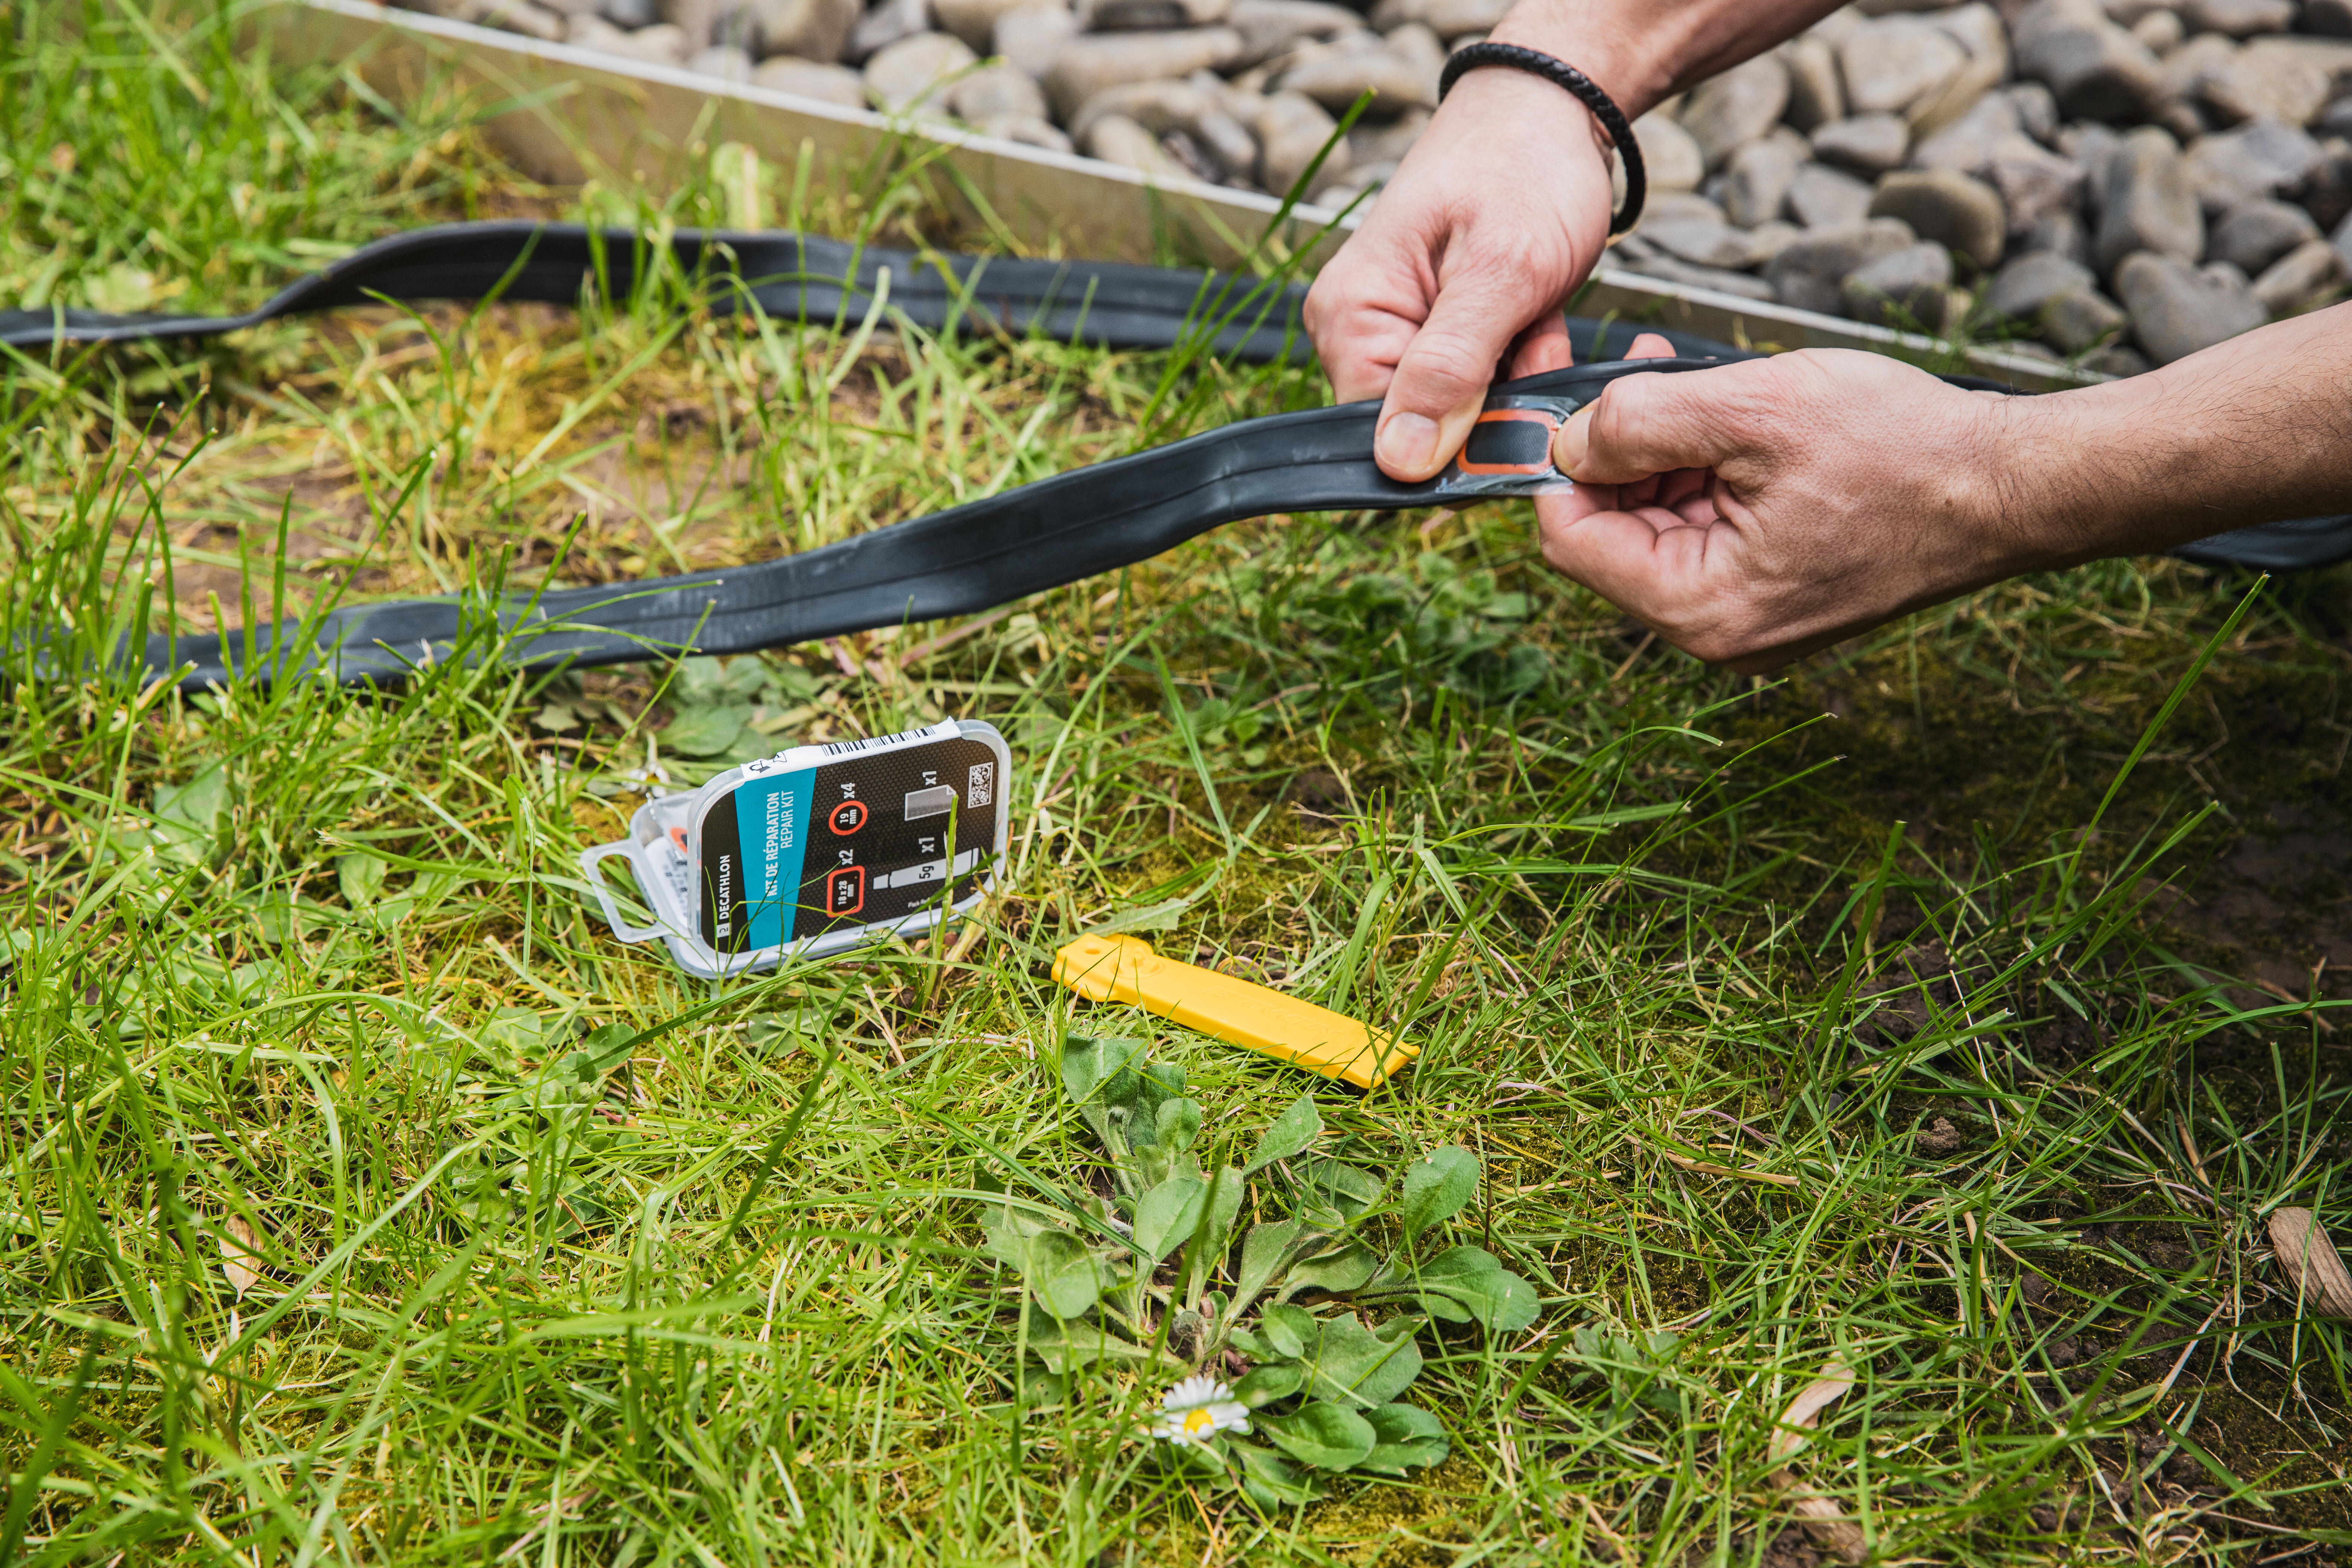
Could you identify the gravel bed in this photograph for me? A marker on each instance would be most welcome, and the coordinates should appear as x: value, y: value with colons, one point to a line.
x: 2115, y: 181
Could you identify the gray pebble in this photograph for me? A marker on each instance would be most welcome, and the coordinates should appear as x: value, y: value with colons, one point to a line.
x: 1115, y: 139
x: 974, y: 21
x: 1807, y: 272
x: 1701, y: 243
x: 629, y: 15
x: 1816, y: 90
x: 2328, y: 18
x: 2299, y: 278
x: 1866, y: 144
x: 1029, y: 37
x: 1396, y: 80
x: 2081, y: 318
x: 1953, y: 209
x: 1291, y: 130
x: 1446, y: 18
x: 1149, y: 15
x: 810, y: 29
x: 2259, y: 158
x: 1269, y: 26
x: 2059, y: 234
x: 2239, y: 18
x: 2037, y: 109
x: 2030, y: 281
x: 1897, y: 62
x: 811, y: 78
x: 1669, y: 207
x: 1910, y: 288
x: 1726, y: 112
x: 2161, y: 31
x: 886, y: 23
x: 2117, y: 359
x: 2094, y: 71
x: 1968, y: 143
x: 1669, y: 155
x: 2176, y: 309
x: 2032, y: 182
x: 909, y: 75
x: 1757, y: 178
x: 2254, y: 234
x: 1824, y: 197
x: 1087, y: 64
x: 1028, y: 131
x: 2269, y: 79
x: 2148, y: 203
x: 996, y: 93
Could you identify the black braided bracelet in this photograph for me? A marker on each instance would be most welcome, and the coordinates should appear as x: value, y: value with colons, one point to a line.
x: 1604, y: 109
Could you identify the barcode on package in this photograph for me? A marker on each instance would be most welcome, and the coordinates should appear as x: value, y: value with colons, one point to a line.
x: 980, y: 788
x: 849, y: 748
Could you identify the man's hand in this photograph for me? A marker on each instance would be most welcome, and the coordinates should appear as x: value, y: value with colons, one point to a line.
x: 1493, y: 219
x: 1756, y: 512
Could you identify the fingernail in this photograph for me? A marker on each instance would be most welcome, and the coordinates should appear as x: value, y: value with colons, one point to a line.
x: 1567, y: 446
x: 1408, y: 444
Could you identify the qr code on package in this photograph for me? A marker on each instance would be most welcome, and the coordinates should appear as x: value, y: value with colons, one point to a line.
x: 980, y: 789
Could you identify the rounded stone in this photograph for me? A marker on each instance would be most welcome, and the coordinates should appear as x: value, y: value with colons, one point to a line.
x: 825, y: 82
x: 2254, y: 234
x: 1028, y: 36
x: 810, y: 29
x: 2176, y: 309
x: 2029, y: 282
x: 1953, y: 209
x: 1395, y: 80
x: 1292, y: 131
x: 996, y: 93
x: 1807, y: 272
x: 1892, y: 64
x: 2300, y: 278
x: 909, y: 74
x: 2146, y: 203
x: 888, y: 23
x: 1906, y: 288
x: 1816, y: 90
x: 974, y: 21
x: 1866, y: 144
x: 1824, y: 197
x: 2032, y: 182
x: 1670, y: 156
x: 1270, y: 26
x: 1149, y: 15
x: 2259, y: 158
x: 725, y: 61
x: 2161, y: 31
x: 1756, y: 180
x: 1029, y: 131
x: 1730, y: 111
x: 2079, y: 319
x: 2239, y: 18
x: 1967, y: 144
x: 1115, y: 139
x: 2095, y: 71
x: 1091, y: 62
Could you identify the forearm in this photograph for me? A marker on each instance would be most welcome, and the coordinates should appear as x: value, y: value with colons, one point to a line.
x: 2251, y: 430
x: 1643, y: 51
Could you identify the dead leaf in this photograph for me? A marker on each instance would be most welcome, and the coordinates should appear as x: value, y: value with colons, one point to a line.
x: 1706, y: 1169
x: 2312, y: 1261
x: 240, y: 1255
x: 1824, y: 1518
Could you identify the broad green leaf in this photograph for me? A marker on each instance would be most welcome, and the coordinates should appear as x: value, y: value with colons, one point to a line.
x: 1060, y: 1272
x: 1328, y: 1436
x: 1264, y: 1251
x: 1340, y: 1188
x: 1350, y: 1364
x: 1251, y: 1345
x: 1406, y: 1436
x: 1178, y: 1123
x: 1288, y: 1133
x: 705, y: 731
x: 1167, y: 1216
x: 196, y: 803
x: 1100, y: 1069
x: 1270, y: 1481
x: 1476, y: 1280
x: 1436, y: 1185
x: 1215, y: 1231
x: 1289, y: 1330
x: 360, y: 876
x: 1268, y: 1383
x: 1338, y: 1271
x: 1065, y: 1346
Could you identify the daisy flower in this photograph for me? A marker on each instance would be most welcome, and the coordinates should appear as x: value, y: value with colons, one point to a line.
x: 1197, y: 1409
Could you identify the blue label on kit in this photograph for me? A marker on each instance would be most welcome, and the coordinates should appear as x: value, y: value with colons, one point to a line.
x: 772, y: 817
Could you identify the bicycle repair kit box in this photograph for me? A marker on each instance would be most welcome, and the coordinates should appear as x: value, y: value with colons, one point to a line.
x: 817, y: 849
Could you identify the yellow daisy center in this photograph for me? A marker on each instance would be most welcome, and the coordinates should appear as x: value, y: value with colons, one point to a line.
x: 1197, y: 1421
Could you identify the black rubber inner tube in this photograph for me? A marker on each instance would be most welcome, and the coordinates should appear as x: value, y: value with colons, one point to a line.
x: 958, y: 562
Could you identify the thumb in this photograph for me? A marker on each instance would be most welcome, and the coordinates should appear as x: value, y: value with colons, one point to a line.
x: 1649, y: 424
x: 1441, y: 380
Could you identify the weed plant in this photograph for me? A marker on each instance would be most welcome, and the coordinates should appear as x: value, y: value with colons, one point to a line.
x: 364, y: 1200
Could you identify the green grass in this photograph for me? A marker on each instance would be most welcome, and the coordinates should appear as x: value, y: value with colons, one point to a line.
x: 314, y: 1244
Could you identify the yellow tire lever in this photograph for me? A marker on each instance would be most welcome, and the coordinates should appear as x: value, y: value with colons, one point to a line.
x: 1126, y: 969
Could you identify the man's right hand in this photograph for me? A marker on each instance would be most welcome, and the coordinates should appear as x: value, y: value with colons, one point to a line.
x: 1496, y: 214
